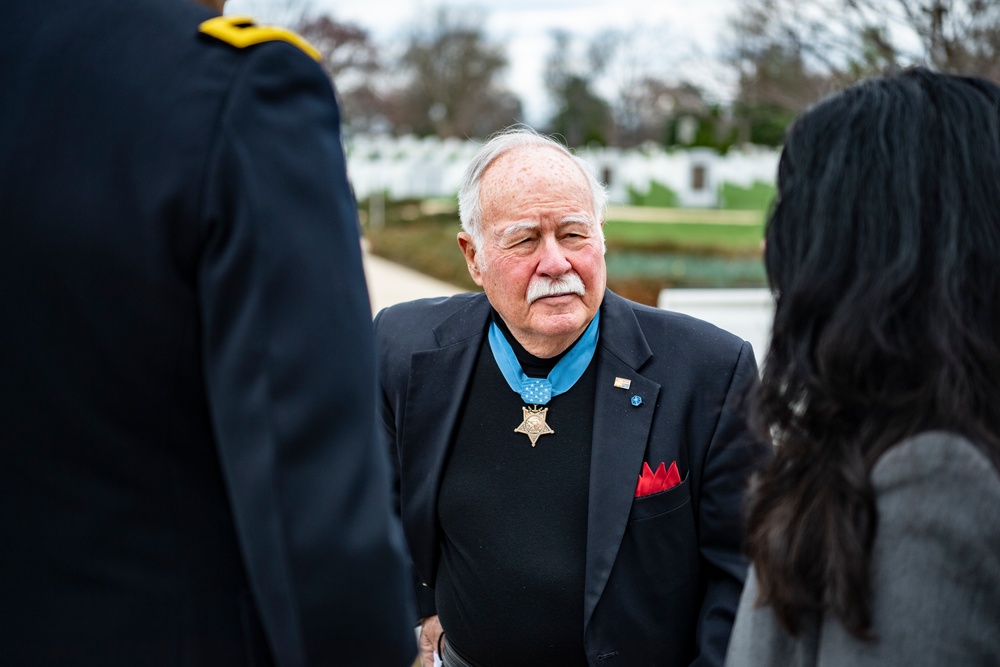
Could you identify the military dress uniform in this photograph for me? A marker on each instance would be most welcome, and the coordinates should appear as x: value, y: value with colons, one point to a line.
x: 187, y: 474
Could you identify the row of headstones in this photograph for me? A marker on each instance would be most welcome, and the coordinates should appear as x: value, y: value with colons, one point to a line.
x: 412, y: 167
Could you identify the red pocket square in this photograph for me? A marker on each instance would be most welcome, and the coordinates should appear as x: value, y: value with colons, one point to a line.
x: 653, y: 482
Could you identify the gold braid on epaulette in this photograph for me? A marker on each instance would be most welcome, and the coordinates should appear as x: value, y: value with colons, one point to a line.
x: 241, y: 32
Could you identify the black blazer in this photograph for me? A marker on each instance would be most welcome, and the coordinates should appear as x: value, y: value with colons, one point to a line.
x: 187, y: 473
x: 663, y: 573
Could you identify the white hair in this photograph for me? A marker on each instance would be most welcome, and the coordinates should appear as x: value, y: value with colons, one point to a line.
x: 470, y: 210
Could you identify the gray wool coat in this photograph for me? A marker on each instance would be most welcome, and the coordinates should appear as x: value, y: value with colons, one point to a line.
x: 935, y: 571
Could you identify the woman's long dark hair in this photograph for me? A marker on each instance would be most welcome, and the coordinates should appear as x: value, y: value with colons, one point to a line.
x: 883, y: 251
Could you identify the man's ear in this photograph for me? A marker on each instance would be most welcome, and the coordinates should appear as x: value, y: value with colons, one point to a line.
x: 468, y: 247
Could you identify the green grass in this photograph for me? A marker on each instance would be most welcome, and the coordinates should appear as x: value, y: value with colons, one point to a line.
x: 757, y: 197
x: 721, y: 238
x: 658, y: 195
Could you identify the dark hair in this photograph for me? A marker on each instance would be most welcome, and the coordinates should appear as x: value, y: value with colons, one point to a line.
x: 883, y: 252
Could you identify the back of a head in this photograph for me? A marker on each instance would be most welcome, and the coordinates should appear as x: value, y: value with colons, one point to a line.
x: 884, y: 252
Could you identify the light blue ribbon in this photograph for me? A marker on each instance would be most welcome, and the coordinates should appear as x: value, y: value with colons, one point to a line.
x: 569, y: 369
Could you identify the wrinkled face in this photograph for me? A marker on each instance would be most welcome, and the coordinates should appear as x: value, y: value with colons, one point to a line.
x: 542, y: 257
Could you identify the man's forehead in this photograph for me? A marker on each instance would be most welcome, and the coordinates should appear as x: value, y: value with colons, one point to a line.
x: 526, y: 161
x: 531, y: 175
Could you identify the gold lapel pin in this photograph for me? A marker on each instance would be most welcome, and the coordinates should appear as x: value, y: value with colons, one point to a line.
x: 623, y: 383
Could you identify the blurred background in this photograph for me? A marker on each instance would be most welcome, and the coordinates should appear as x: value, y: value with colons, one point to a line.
x: 681, y: 106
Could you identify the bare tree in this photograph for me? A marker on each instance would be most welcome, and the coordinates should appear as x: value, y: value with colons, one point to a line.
x: 582, y: 116
x: 956, y: 36
x: 352, y: 61
x: 626, y: 64
x: 635, y: 69
x: 849, y: 39
x: 452, y: 83
x: 345, y: 47
x: 789, y: 53
x: 780, y: 73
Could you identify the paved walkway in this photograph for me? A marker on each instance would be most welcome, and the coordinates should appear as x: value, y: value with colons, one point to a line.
x: 689, y: 216
x: 390, y: 283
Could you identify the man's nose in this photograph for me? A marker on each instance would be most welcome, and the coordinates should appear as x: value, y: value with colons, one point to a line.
x: 553, y: 260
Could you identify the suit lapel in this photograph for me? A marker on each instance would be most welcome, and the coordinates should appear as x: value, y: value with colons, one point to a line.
x: 438, y: 383
x: 621, y: 431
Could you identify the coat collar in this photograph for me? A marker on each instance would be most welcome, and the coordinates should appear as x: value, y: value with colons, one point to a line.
x: 621, y: 334
x: 468, y: 322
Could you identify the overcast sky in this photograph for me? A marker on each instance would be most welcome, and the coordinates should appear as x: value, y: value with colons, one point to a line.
x: 683, y: 38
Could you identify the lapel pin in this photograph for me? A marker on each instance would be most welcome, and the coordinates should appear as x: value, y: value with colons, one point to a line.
x: 637, y: 401
x: 623, y: 383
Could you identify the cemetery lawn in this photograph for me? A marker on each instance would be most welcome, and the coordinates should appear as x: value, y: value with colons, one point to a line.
x: 728, y: 239
x: 727, y: 231
x: 663, y: 248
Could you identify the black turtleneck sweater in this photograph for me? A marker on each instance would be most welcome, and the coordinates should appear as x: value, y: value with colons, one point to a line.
x: 510, y: 584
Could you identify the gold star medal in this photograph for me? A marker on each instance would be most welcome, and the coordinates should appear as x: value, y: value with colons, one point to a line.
x: 534, y: 425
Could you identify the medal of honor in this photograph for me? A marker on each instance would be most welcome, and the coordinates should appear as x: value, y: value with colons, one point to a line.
x: 534, y: 425
x: 537, y: 392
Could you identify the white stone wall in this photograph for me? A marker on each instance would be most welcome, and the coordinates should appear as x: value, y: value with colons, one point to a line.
x: 404, y: 167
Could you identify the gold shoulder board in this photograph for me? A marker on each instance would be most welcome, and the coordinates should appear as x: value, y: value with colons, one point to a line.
x: 241, y: 32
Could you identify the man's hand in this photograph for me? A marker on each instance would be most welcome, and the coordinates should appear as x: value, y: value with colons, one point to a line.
x: 430, y: 634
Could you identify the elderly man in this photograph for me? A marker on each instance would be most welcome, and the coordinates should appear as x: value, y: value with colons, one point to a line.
x: 570, y: 465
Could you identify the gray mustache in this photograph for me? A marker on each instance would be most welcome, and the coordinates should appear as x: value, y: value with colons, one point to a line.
x: 567, y: 284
